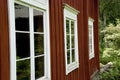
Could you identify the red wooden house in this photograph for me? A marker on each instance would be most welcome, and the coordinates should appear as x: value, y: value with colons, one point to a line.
x: 48, y: 39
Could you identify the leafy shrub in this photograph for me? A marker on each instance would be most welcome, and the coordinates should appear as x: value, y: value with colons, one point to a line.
x: 109, y: 55
x: 111, y: 52
x: 113, y: 73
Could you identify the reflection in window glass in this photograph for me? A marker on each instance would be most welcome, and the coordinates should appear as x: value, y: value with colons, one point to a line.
x: 38, y: 21
x: 28, y: 34
x: 73, y: 55
x: 90, y: 48
x: 73, y: 42
x: 72, y: 27
x: 23, y: 70
x: 90, y: 30
x: 67, y: 27
x: 22, y: 45
x: 39, y: 67
x: 68, y: 41
x: 68, y: 56
x: 90, y: 39
x: 39, y: 44
x: 21, y: 18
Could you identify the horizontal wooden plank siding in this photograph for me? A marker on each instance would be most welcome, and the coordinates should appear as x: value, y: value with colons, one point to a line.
x: 4, y: 42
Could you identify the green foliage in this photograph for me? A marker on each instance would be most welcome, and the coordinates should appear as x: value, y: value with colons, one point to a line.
x: 113, y: 73
x: 111, y: 41
x: 109, y: 55
x: 110, y: 52
x: 109, y: 29
x: 109, y: 11
x: 112, y: 36
x: 23, y: 70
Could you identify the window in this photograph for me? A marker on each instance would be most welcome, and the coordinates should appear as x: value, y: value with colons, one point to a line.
x: 91, y: 38
x: 71, y: 38
x: 29, y: 41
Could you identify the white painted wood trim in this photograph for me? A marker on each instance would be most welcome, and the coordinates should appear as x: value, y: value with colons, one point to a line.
x: 32, y: 60
x: 91, y: 19
x: 48, y: 43
x: 71, y: 9
x: 90, y: 22
x: 72, y: 16
x: 35, y: 3
x: 12, y: 37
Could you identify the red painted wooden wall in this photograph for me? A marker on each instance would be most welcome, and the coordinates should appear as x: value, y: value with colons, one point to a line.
x: 57, y: 40
x: 87, y: 8
x: 4, y: 42
x: 93, y: 12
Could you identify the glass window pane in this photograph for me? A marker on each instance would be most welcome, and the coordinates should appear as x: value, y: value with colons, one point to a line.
x: 90, y: 48
x: 38, y: 21
x: 90, y: 39
x: 22, y: 45
x: 68, y: 41
x: 21, y: 18
x: 90, y: 30
x: 23, y: 70
x: 39, y: 67
x: 72, y: 27
x: 39, y: 44
x: 67, y: 27
x: 73, y: 42
x: 73, y: 55
x: 68, y: 56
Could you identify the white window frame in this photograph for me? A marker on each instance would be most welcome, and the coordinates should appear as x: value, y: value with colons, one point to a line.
x: 91, y: 24
x: 44, y: 7
x: 71, y: 14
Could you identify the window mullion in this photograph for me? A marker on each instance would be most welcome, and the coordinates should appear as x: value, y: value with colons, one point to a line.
x: 70, y: 43
x: 92, y: 39
x: 32, y: 45
x: 45, y: 45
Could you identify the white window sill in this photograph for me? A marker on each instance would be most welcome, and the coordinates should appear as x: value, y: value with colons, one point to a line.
x: 72, y: 67
x: 43, y: 78
x: 91, y: 56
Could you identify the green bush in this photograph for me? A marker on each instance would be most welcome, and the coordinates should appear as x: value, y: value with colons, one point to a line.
x: 109, y: 55
x: 113, y: 73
